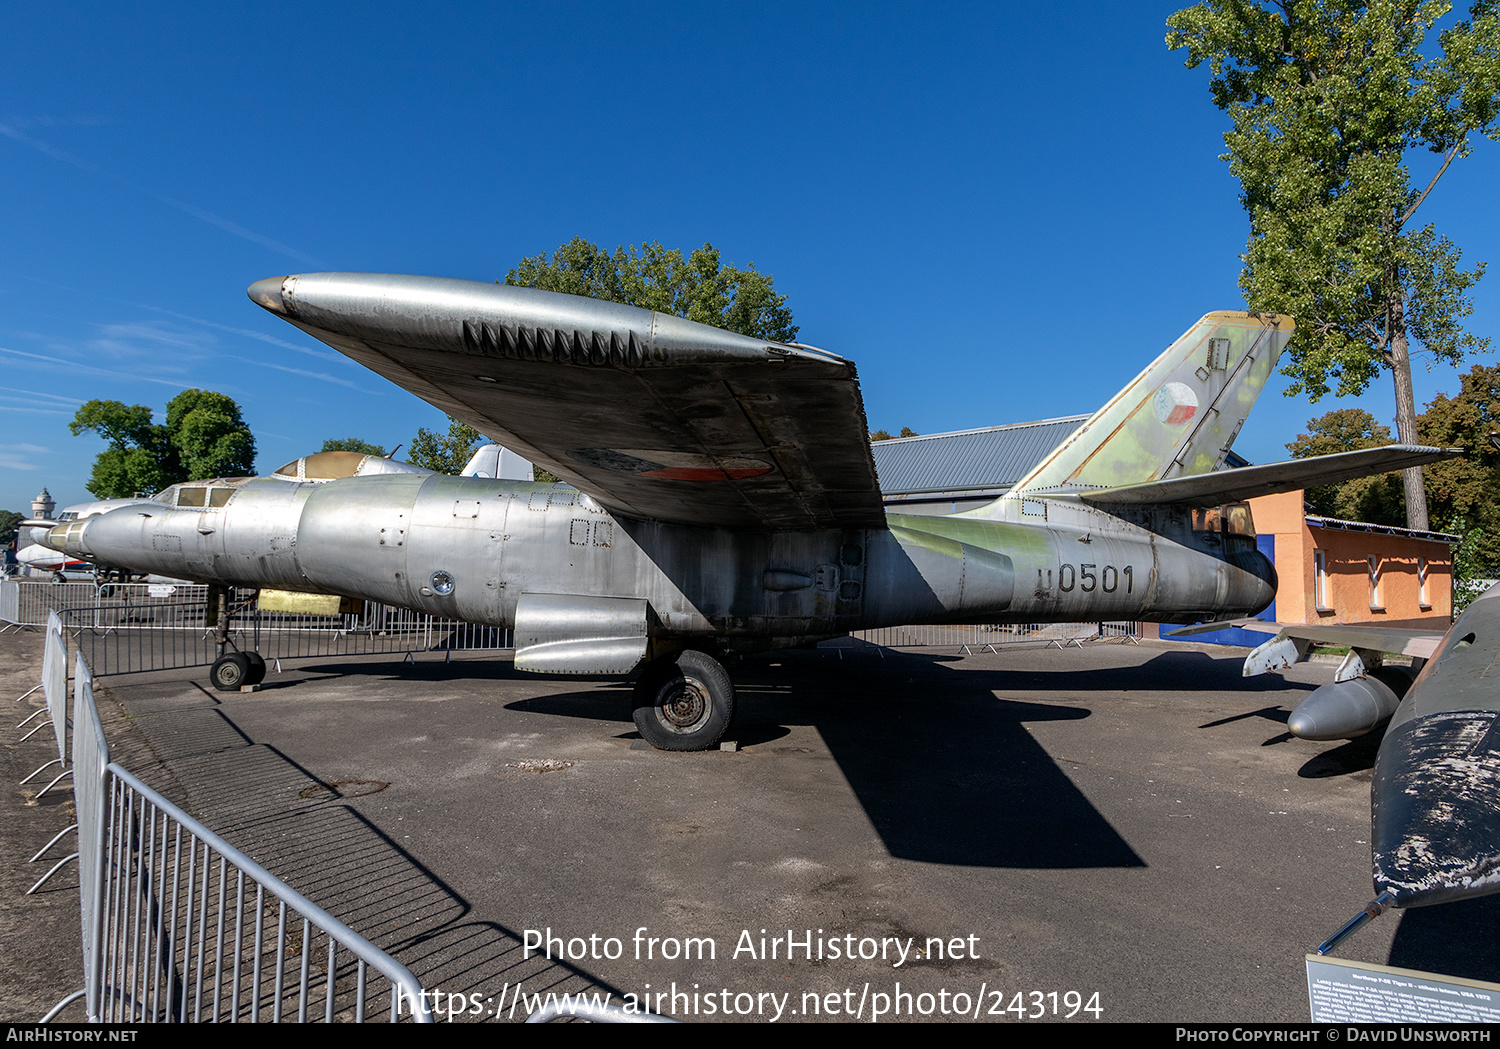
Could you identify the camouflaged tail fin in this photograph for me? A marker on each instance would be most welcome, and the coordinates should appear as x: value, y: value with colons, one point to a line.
x: 1177, y: 418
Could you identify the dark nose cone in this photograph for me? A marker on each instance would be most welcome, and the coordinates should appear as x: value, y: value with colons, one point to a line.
x: 267, y: 293
x: 1437, y: 808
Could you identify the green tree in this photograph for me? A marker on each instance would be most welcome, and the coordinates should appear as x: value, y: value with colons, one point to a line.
x: 1379, y: 499
x: 1327, y: 98
x: 10, y: 526
x: 136, y: 459
x: 351, y: 444
x: 1463, y: 495
x: 445, y: 453
x: 1471, y: 572
x: 204, y: 436
x: 210, y: 437
x: 698, y: 287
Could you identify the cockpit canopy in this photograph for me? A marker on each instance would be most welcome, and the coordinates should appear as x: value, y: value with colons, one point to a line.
x: 200, y: 495
x: 331, y: 466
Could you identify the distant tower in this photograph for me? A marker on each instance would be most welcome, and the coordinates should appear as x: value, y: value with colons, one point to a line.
x: 43, y: 505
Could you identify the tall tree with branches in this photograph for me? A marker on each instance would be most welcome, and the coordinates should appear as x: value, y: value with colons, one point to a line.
x: 1329, y: 99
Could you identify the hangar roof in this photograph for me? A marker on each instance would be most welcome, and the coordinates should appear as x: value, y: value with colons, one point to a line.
x: 993, y: 458
x: 987, y: 461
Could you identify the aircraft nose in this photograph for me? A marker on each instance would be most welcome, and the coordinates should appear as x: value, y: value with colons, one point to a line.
x: 267, y: 293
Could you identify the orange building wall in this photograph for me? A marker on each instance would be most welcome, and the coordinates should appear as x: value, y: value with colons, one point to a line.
x: 1346, y: 553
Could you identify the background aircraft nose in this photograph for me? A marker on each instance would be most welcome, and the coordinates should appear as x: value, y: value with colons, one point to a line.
x: 55, y: 538
x: 267, y: 293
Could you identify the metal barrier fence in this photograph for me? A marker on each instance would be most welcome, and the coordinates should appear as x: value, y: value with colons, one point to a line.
x: 55, y: 682
x: 124, y: 628
x: 979, y: 636
x: 26, y: 603
x: 54, y: 688
x: 55, y: 691
x: 179, y: 926
x: 132, y: 628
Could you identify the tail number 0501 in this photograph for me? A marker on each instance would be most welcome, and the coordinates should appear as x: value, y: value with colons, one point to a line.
x: 1089, y: 578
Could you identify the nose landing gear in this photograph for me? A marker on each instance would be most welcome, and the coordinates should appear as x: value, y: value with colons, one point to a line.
x: 232, y: 669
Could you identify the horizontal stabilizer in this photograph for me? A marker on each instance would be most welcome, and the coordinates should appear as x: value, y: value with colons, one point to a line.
x: 1224, y: 486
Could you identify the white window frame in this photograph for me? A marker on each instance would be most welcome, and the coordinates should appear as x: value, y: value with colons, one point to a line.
x: 1320, y: 581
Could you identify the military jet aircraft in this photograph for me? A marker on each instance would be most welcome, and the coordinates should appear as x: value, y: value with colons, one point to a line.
x: 720, y: 495
x: 1435, y: 795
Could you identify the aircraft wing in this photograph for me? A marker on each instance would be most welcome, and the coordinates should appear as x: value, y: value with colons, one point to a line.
x: 652, y: 415
x: 1418, y: 638
x: 1223, y: 486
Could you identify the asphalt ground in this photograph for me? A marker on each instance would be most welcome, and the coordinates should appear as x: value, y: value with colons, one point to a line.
x: 1126, y: 833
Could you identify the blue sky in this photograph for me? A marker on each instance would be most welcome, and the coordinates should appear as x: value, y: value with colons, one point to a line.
x: 999, y: 212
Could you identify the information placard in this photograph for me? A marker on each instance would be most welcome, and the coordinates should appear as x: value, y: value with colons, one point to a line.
x: 1359, y: 992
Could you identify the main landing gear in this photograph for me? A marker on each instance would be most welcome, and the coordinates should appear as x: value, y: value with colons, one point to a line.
x: 684, y: 701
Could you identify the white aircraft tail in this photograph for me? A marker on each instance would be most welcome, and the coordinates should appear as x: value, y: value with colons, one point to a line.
x: 501, y: 463
x: 1177, y: 418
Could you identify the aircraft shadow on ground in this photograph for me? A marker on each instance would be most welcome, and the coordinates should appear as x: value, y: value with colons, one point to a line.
x: 1450, y: 938
x: 946, y: 771
x: 1356, y: 755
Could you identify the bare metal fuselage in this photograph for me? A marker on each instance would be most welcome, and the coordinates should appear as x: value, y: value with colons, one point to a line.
x: 468, y: 548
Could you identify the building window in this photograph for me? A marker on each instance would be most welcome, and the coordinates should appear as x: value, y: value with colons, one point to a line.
x: 1422, y: 598
x: 1320, y: 581
x: 1374, y: 563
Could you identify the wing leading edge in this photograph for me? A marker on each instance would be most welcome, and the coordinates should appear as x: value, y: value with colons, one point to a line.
x: 652, y: 415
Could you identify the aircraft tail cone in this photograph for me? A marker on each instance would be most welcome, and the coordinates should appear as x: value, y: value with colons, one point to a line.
x: 1436, y: 806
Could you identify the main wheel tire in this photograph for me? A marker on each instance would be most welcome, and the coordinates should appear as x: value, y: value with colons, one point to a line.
x: 257, y: 668
x: 230, y: 671
x: 684, y: 702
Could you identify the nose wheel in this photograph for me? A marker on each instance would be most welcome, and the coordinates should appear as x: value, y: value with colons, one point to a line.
x: 234, y: 669
x: 684, y: 702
